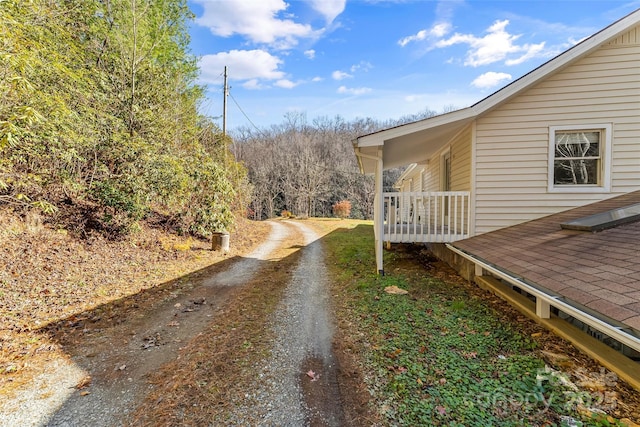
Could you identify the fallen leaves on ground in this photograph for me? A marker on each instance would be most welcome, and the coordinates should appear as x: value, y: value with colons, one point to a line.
x: 314, y: 376
x: 49, y: 275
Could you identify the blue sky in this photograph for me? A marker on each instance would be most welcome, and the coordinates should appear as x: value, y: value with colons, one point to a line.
x: 376, y: 58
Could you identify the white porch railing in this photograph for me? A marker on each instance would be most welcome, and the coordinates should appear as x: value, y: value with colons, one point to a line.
x: 426, y: 217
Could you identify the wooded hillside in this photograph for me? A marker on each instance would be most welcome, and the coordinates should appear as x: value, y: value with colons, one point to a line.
x: 99, y: 124
x: 306, y: 167
x: 99, y: 128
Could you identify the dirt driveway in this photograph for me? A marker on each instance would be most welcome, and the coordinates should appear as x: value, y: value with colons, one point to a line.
x: 114, y: 363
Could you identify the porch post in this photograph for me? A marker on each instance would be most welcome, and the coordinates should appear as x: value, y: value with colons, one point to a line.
x: 378, y: 213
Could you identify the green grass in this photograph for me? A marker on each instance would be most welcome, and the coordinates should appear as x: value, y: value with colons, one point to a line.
x: 440, y: 355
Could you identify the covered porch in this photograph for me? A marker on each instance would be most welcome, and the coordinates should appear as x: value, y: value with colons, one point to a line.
x: 426, y: 217
x: 416, y: 216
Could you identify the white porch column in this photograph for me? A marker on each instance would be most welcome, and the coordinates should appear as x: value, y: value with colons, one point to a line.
x: 378, y: 212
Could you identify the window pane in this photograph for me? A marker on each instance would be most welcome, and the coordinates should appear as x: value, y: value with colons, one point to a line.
x: 574, y: 172
x: 577, y: 144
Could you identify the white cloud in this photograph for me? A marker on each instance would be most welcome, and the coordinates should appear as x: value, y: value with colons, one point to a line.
x: 441, y: 29
x: 259, y: 21
x: 437, y: 31
x: 490, y: 79
x: 445, y: 10
x: 533, y: 51
x: 286, y: 84
x: 317, y: 79
x: 362, y: 66
x: 340, y: 75
x: 353, y: 91
x: 311, y: 54
x: 495, y: 46
x: 330, y: 9
x: 242, y: 65
x: 420, y: 35
x: 253, y: 84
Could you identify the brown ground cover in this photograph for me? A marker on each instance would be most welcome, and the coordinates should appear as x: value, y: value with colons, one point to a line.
x: 49, y: 276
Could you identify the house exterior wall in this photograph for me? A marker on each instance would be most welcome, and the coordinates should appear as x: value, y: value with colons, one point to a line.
x: 415, y: 184
x: 460, y: 150
x: 431, y: 176
x: 512, y: 142
x: 461, y: 161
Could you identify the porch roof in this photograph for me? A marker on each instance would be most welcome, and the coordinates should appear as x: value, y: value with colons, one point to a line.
x: 411, y: 143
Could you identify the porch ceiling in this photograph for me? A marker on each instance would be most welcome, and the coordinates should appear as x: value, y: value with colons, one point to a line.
x: 412, y: 143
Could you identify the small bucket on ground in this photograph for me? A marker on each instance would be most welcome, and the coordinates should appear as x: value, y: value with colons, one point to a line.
x: 220, y: 241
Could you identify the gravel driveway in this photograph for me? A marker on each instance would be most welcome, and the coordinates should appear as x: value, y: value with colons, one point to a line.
x: 301, y: 353
x: 297, y: 384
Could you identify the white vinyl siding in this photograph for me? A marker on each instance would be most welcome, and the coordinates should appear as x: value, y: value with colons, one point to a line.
x: 430, y: 177
x: 630, y: 37
x: 512, y: 141
x: 460, y: 151
x: 414, y: 183
x: 461, y: 161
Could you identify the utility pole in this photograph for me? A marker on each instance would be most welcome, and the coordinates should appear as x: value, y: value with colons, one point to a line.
x: 224, y: 103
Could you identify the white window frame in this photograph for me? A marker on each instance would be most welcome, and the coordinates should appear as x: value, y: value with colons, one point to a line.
x: 604, y: 180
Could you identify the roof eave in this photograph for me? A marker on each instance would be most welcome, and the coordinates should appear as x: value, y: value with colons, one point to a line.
x: 378, y: 138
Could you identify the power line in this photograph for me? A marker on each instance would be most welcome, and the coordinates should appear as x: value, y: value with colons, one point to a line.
x: 245, y: 114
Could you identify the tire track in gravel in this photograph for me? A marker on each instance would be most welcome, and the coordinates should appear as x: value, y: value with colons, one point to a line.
x: 120, y: 358
x: 298, y: 385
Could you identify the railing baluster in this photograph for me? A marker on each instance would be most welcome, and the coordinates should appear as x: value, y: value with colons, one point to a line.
x: 428, y: 217
x: 450, y: 216
x: 437, y: 216
x: 395, y: 216
x: 455, y: 218
x: 462, y: 218
x: 442, y: 215
x: 414, y: 201
x: 468, y: 215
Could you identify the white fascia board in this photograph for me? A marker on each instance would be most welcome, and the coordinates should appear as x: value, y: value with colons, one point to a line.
x: 378, y: 138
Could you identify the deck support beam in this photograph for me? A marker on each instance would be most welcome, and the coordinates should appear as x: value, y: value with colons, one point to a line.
x: 478, y: 270
x: 543, y: 309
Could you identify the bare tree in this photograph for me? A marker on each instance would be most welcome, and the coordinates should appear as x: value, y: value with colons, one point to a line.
x: 307, y: 167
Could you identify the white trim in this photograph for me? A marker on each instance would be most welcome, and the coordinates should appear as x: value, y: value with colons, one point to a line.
x: 474, y: 182
x: 379, y: 137
x: 604, y: 186
x: 399, y: 182
x: 378, y: 212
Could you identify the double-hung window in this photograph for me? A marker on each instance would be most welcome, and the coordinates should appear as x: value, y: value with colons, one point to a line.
x: 579, y: 158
